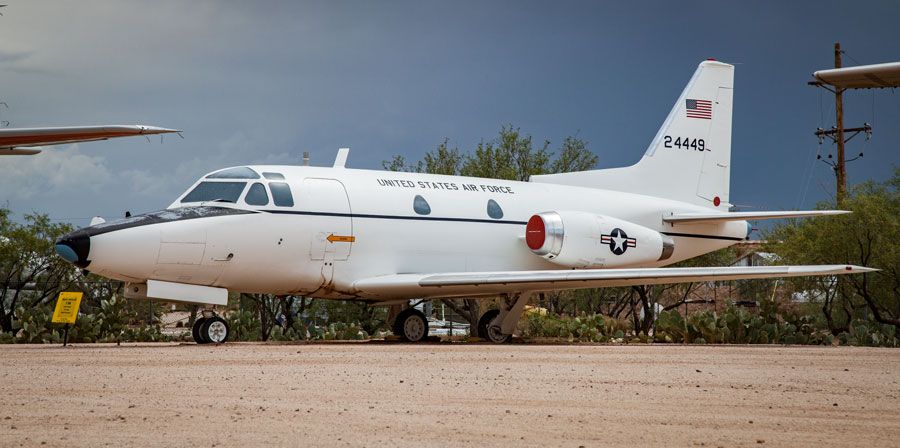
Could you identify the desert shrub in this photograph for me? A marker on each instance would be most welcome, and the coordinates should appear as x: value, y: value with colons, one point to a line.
x: 244, y: 325
x: 871, y: 334
x: 36, y: 326
x: 587, y: 328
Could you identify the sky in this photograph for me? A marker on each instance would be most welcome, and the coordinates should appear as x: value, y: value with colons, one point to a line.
x: 262, y: 82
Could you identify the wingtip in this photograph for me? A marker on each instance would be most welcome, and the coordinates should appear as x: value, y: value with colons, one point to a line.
x: 853, y: 269
x: 157, y: 130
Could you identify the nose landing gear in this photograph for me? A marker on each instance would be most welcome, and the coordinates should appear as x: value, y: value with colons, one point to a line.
x: 210, y: 329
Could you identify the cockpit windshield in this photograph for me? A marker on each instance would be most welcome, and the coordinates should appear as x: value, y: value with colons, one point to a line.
x: 215, y: 191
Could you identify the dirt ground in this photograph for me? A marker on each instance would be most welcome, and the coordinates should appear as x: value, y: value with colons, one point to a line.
x: 382, y: 394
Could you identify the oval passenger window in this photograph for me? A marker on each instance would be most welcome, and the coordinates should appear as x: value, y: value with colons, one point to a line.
x: 420, y: 205
x: 494, y: 210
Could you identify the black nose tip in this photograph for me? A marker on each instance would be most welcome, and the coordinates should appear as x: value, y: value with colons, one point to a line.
x: 75, y: 248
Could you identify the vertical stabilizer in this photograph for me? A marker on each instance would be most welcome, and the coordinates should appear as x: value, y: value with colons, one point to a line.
x: 690, y: 158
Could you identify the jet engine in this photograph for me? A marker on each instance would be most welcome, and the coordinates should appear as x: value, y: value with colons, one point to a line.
x: 586, y: 240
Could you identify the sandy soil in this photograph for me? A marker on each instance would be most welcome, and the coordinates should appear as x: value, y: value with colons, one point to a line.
x: 380, y: 394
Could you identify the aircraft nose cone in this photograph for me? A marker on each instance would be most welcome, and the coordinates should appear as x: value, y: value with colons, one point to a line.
x: 75, y: 248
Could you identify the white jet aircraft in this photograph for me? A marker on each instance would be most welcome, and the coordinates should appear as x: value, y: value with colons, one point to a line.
x: 388, y: 237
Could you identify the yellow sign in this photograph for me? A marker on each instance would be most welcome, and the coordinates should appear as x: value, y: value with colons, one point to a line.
x: 67, y: 307
x: 340, y: 238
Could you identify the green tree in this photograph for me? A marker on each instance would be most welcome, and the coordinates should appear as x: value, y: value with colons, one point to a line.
x: 511, y: 156
x: 443, y: 160
x: 30, y: 271
x: 867, y: 237
x: 572, y: 156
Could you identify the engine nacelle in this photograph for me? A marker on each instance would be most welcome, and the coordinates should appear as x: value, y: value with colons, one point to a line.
x: 585, y: 240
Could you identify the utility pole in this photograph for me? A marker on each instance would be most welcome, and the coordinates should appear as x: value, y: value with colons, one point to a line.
x: 838, y: 132
x: 841, y: 169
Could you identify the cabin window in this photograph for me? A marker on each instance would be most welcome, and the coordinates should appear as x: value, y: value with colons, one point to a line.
x: 241, y: 172
x: 420, y: 205
x: 257, y: 195
x: 215, y: 191
x: 494, y: 210
x: 281, y: 194
x: 273, y: 176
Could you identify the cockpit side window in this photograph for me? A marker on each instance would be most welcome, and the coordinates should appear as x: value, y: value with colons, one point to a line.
x: 241, y: 172
x: 281, y: 194
x: 273, y: 176
x: 257, y: 195
x: 215, y: 191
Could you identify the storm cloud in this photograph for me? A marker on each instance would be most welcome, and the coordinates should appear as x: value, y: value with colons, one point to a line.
x: 261, y: 82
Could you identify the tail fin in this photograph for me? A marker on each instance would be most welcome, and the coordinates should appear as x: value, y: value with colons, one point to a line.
x: 690, y: 158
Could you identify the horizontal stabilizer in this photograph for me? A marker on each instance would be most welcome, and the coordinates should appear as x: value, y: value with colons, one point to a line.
x: 747, y: 216
x: 470, y: 284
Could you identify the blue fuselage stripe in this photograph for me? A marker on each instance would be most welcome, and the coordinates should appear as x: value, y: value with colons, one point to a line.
x: 405, y: 218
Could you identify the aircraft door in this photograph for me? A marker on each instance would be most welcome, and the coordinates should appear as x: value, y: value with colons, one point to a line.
x: 332, y: 226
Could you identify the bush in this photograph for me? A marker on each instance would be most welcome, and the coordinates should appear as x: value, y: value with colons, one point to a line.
x: 588, y: 328
x: 737, y: 326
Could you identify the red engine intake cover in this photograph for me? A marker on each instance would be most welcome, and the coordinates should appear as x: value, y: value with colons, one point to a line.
x: 535, y: 233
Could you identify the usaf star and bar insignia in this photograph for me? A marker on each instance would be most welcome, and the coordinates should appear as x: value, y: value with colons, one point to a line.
x: 618, y: 241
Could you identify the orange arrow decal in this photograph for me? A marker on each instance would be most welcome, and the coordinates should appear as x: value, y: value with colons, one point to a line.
x: 340, y: 238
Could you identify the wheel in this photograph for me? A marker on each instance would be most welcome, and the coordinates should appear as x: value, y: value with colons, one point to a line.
x: 490, y: 330
x: 411, y: 325
x: 214, y: 330
x: 195, y: 330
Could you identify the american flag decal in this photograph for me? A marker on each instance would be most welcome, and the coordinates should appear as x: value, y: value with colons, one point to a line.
x: 699, y: 109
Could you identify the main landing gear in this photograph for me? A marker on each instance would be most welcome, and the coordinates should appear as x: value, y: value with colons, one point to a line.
x: 489, y: 328
x: 210, y: 329
x: 497, y: 326
x: 411, y: 325
x: 494, y: 325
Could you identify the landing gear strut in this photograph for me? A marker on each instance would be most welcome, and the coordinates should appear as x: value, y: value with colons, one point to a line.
x: 210, y: 329
x: 411, y: 325
x: 498, y: 325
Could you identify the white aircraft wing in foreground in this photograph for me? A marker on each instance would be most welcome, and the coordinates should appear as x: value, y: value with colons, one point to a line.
x: 492, y: 283
x: 13, y: 139
x: 746, y: 216
x: 862, y: 76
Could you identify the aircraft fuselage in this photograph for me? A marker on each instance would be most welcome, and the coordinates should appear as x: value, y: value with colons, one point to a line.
x: 348, y: 224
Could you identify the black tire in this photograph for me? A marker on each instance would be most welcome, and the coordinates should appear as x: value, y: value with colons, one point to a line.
x: 195, y: 331
x: 396, y: 328
x: 411, y: 325
x: 215, y: 330
x: 491, y: 333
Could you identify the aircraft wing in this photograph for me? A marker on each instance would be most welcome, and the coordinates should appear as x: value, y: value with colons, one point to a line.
x: 11, y: 139
x: 862, y: 76
x: 470, y: 284
x: 747, y: 216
